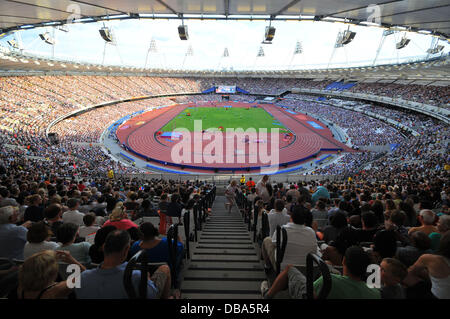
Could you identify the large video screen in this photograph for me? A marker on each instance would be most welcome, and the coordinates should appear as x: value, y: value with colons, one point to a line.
x: 226, y: 89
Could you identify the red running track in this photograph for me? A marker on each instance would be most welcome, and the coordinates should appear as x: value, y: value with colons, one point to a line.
x: 227, y: 152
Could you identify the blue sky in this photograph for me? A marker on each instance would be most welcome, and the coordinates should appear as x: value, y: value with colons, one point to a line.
x: 208, y: 40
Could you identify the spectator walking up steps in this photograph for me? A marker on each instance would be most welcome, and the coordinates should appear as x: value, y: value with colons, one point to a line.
x: 230, y: 194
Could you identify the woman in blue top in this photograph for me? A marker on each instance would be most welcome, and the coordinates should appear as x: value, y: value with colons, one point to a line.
x: 157, y: 248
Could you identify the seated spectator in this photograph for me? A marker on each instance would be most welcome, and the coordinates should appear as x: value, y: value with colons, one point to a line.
x: 426, y: 218
x: 89, y: 228
x: 15, y: 236
x: 38, y: 274
x: 73, y: 215
x: 163, y: 204
x: 335, y: 251
x: 301, y: 241
x: 96, y: 250
x: 146, y: 210
x: 106, y: 281
x: 392, y: 273
x: 174, y: 208
x: 390, y: 207
x: 395, y: 223
x: 419, y: 244
x: 277, y: 216
x: 335, y: 208
x: 443, y: 226
x: 119, y: 218
x: 369, y: 227
x: 384, y: 246
x: 53, y: 217
x: 157, y: 248
x: 355, y: 222
x: 338, y: 222
x: 5, y: 199
x: 34, y: 212
x: 377, y: 208
x: 411, y: 216
x: 66, y: 235
x: 38, y: 236
x: 294, y: 193
x: 320, y: 214
x: 131, y: 203
x: 321, y: 192
x: 352, y: 284
x: 435, y: 267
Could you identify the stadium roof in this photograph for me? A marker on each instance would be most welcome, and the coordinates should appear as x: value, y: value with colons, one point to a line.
x: 435, y: 70
x: 415, y: 14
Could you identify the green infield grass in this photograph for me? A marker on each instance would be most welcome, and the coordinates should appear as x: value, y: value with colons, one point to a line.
x: 215, y: 117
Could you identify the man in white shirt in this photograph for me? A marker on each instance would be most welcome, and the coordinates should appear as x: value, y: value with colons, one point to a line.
x: 278, y: 216
x: 301, y: 240
x: 73, y: 215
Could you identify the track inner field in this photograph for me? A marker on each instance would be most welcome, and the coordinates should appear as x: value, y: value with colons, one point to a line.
x: 139, y: 134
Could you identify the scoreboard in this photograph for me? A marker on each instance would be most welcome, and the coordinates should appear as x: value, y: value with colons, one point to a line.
x: 226, y: 89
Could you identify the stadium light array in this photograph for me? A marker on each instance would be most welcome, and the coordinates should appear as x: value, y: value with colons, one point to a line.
x: 47, y: 38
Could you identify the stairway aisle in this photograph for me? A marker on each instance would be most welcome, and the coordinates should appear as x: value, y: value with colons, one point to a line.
x: 224, y: 264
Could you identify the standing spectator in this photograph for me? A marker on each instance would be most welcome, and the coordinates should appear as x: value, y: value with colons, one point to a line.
x: 250, y: 183
x: 230, y: 194
x: 261, y: 189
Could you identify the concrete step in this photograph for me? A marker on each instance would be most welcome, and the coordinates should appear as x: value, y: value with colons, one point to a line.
x: 216, y: 251
x: 234, y: 232
x: 225, y: 241
x: 235, y: 286
x: 203, y: 265
x: 221, y: 275
x: 231, y: 295
x: 227, y: 258
x: 219, y: 237
x: 227, y: 246
x: 224, y: 263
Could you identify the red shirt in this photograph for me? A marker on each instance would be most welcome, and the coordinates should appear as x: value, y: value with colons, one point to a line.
x: 250, y: 184
x: 123, y: 224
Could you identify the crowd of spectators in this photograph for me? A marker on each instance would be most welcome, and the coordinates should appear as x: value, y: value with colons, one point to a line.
x: 96, y: 223
x: 403, y: 226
